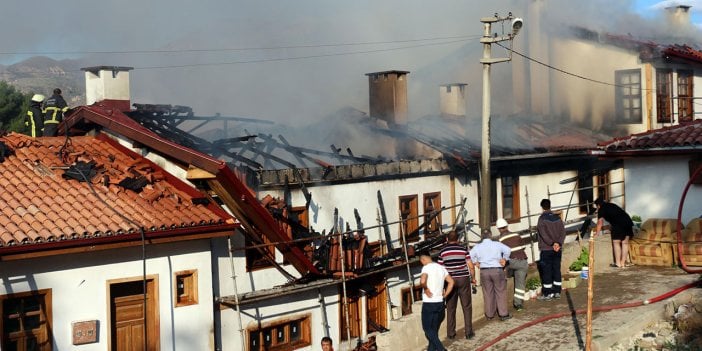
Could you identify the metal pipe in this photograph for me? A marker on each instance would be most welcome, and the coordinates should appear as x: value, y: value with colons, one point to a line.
x: 236, y: 294
x: 407, y: 262
x: 531, y: 238
x: 364, y: 316
x: 485, y: 185
x: 323, y: 310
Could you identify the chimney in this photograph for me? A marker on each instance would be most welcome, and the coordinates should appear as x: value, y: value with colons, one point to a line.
x: 678, y: 16
x: 388, y: 97
x: 452, y: 100
x: 108, y: 84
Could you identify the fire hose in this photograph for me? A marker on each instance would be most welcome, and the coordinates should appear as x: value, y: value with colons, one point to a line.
x: 687, y: 269
x: 582, y: 311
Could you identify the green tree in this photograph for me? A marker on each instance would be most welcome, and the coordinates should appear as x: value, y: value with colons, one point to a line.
x: 13, y: 107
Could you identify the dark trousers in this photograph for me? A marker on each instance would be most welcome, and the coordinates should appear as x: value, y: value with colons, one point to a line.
x: 461, y: 288
x: 494, y: 285
x: 550, y: 269
x: 432, y: 316
x: 50, y: 129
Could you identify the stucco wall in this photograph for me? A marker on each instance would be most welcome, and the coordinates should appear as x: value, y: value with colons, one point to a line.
x: 78, y: 284
x: 654, y: 186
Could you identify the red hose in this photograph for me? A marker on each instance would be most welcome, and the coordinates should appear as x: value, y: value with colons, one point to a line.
x: 697, y: 173
x: 582, y: 311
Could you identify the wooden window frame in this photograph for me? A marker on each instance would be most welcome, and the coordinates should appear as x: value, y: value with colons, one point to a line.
x: 664, y: 96
x: 406, y: 301
x: 686, y: 108
x: 516, y: 213
x: 354, y: 305
x: 410, y: 226
x: 45, y: 311
x: 276, y: 345
x: 628, y: 97
x: 585, y: 196
x: 433, y: 228
x: 191, y: 295
x: 254, y: 258
x: 603, y: 186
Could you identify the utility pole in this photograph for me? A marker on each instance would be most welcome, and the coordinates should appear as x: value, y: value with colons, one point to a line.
x: 488, y: 39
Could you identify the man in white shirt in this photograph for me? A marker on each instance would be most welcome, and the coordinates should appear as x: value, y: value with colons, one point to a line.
x: 432, y: 281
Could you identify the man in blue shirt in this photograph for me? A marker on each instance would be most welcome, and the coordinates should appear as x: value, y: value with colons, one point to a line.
x: 491, y: 257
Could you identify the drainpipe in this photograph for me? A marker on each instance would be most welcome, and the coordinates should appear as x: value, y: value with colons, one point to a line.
x: 531, y: 239
x: 342, y: 254
x: 242, y: 337
x: 323, y: 310
x: 364, y: 315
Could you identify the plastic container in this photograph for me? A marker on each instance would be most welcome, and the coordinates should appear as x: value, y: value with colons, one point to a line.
x: 585, y: 273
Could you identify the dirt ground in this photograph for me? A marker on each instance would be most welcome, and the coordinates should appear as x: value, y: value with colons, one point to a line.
x: 612, y: 286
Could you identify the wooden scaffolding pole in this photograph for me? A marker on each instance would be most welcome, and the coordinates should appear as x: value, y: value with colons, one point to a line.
x: 590, y: 293
x: 407, y: 262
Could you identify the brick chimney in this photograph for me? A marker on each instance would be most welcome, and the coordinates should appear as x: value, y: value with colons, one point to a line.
x: 108, y: 84
x: 452, y: 99
x: 388, y: 97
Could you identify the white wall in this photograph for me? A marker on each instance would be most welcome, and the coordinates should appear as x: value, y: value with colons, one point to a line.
x: 654, y: 186
x: 78, y: 284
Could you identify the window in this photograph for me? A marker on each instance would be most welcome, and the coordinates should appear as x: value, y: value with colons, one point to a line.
x: 281, y: 335
x: 376, y: 304
x: 664, y: 96
x: 410, y: 221
x: 186, y: 288
x: 584, y: 191
x: 407, y: 301
x: 258, y: 258
x: 628, y: 96
x: 432, y: 202
x: 510, y: 198
x: 603, y: 186
x: 26, y: 321
x: 686, y: 112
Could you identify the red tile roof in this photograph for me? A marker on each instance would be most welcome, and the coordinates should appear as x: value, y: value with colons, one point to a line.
x: 40, y: 206
x: 683, y: 51
x: 679, y: 136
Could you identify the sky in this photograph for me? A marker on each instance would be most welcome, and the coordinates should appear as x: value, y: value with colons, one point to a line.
x: 295, y: 61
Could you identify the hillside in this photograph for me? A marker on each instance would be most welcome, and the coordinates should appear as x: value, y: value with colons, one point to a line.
x: 41, y: 74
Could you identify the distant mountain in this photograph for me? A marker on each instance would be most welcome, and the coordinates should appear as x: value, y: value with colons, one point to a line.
x: 40, y: 74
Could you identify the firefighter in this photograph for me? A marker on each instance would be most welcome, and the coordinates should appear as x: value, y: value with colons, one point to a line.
x: 35, y: 116
x: 54, y: 108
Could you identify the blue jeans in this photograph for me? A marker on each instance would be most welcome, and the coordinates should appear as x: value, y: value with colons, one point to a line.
x: 432, y: 316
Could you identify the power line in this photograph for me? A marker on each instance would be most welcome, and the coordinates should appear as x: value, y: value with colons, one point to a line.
x: 253, y: 48
x: 578, y: 75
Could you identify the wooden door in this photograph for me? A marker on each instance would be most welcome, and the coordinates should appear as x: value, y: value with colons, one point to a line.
x: 134, y: 321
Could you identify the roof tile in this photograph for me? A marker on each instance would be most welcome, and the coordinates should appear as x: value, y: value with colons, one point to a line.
x: 682, y: 135
x: 39, y: 205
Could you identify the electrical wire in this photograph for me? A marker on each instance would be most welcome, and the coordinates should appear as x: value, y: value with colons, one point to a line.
x: 253, y: 48
x: 575, y: 74
x: 63, y: 153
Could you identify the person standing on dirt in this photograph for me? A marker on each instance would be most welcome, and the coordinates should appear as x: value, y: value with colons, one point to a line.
x: 621, y: 227
x: 518, y: 264
x: 456, y: 259
x: 491, y: 257
x: 551, y: 234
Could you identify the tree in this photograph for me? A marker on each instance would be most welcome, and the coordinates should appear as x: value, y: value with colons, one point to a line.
x: 13, y: 107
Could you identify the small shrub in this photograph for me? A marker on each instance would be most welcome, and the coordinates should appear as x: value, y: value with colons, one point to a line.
x: 581, y: 261
x: 533, y: 283
x: 636, y: 218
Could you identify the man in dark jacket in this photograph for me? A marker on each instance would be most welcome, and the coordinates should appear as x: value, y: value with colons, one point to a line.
x: 551, y: 234
x: 621, y: 227
x: 35, y: 116
x: 54, y: 108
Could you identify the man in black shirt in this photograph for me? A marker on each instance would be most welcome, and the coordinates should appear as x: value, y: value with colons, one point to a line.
x: 621, y: 227
x: 54, y: 108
